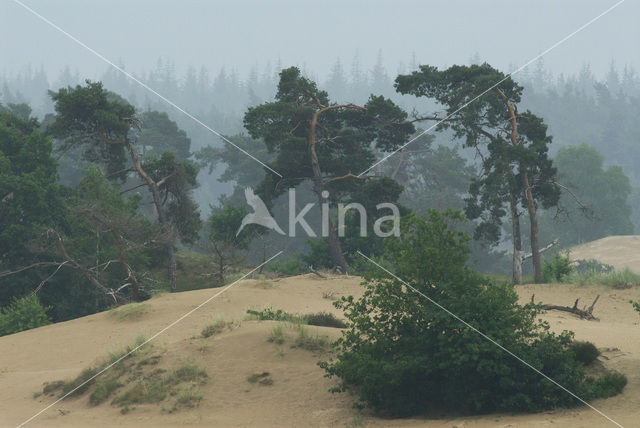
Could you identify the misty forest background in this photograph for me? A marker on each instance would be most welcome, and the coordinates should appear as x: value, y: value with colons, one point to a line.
x: 593, y: 121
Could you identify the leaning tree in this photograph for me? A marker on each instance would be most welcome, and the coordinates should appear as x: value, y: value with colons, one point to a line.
x: 323, y: 142
x: 107, y: 128
x: 481, y: 107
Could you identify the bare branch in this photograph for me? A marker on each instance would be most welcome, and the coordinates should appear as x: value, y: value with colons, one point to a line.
x: 350, y: 175
x: 22, y: 269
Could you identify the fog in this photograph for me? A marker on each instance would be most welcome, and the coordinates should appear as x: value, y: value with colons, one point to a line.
x: 313, y: 35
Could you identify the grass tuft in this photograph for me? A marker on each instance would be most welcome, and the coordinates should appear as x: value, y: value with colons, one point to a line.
x: 618, y: 279
x: 261, y: 378
x: 310, y: 342
x: 215, y: 328
x: 188, y: 397
x: 276, y: 335
x: 104, y: 388
x: 129, y: 312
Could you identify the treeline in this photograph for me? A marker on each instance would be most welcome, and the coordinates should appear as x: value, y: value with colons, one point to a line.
x: 112, y: 190
x: 579, y: 108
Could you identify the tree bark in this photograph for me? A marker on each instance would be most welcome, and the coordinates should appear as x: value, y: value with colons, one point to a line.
x: 162, y: 217
x: 517, y: 243
x: 533, y: 219
x: 531, y: 206
x: 335, y: 249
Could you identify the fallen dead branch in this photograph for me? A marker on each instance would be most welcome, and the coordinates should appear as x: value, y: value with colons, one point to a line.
x: 316, y: 272
x: 585, y: 313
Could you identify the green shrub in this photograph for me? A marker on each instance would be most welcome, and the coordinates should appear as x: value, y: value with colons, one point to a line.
x: 268, y: 314
x: 594, y: 266
x: 289, y: 267
x: 23, y: 314
x: 404, y: 355
x: 606, y: 386
x: 636, y: 306
x: 324, y: 319
x: 585, y: 352
x: 556, y: 269
x: 603, y: 276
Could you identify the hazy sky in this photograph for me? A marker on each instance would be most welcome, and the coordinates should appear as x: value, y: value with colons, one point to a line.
x: 239, y: 34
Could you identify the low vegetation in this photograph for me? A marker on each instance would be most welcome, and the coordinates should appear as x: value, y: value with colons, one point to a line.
x: 405, y: 356
x: 129, y: 312
x: 276, y: 335
x: 263, y: 378
x: 560, y: 268
x: 321, y: 319
x: 585, y: 352
x: 216, y: 327
x: 23, y: 314
x: 309, y: 341
x: 615, y: 279
x: 136, y: 379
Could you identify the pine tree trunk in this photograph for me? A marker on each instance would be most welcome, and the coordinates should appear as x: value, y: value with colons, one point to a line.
x: 531, y: 206
x: 517, y: 244
x: 162, y: 218
x: 335, y: 249
x: 533, y: 219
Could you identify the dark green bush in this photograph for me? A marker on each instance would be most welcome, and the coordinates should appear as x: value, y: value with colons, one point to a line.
x: 23, y: 314
x: 404, y: 355
x: 324, y: 319
x: 268, y: 314
x: 556, y: 269
x: 607, y: 386
x: 592, y: 266
x: 585, y: 352
x: 289, y: 267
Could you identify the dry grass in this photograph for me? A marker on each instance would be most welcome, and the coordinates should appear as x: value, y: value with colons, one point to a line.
x: 261, y: 378
x: 310, y: 342
x: 216, y: 327
x: 129, y: 312
x: 276, y: 335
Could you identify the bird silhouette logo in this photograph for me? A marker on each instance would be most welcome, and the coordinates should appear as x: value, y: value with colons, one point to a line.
x: 260, y: 214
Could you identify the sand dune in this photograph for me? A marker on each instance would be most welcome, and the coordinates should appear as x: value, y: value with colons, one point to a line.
x: 617, y: 251
x: 299, y: 396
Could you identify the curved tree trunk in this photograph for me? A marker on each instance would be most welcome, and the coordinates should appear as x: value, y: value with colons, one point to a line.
x: 162, y: 217
x: 335, y: 249
x: 531, y: 206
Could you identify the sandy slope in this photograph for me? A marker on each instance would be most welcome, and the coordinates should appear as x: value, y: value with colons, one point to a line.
x: 618, y: 251
x: 299, y: 396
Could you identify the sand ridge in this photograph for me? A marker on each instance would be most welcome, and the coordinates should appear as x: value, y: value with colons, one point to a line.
x: 299, y: 396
